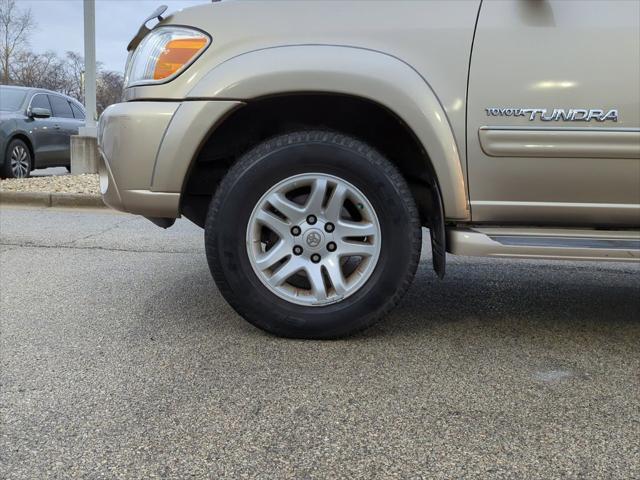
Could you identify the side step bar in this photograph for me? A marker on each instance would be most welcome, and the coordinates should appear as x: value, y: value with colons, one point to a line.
x: 620, y: 246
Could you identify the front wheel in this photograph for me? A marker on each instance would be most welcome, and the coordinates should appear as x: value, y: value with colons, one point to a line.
x: 18, y: 162
x: 313, y: 235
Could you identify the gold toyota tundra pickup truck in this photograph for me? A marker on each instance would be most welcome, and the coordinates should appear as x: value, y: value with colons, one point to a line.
x: 313, y: 139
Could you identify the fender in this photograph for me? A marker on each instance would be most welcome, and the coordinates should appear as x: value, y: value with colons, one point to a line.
x: 369, y: 74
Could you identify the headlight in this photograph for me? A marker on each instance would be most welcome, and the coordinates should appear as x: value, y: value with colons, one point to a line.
x: 163, y: 54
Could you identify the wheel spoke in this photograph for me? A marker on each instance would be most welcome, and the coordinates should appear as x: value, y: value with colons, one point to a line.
x: 273, y: 222
x: 289, y: 209
x: 274, y: 255
x: 314, y: 275
x: 355, y: 249
x: 346, y: 228
x: 294, y: 265
x: 335, y: 275
x: 316, y: 197
x: 334, y: 206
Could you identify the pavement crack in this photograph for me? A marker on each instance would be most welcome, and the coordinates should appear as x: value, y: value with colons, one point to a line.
x: 101, y: 232
x: 80, y: 247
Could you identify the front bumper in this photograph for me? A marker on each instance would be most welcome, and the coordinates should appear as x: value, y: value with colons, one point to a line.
x: 146, y: 149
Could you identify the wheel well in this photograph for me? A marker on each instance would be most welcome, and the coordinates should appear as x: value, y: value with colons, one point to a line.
x: 264, y: 118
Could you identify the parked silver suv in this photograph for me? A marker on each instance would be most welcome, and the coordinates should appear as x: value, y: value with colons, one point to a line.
x: 313, y: 140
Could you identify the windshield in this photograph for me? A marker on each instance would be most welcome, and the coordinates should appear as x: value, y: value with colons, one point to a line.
x: 11, y: 99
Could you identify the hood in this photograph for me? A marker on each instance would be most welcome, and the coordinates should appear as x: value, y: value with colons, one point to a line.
x: 10, y: 115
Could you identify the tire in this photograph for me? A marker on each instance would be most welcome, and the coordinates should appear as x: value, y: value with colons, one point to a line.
x: 18, y: 162
x: 378, y: 200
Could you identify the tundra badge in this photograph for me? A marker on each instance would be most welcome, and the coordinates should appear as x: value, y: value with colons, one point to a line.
x: 547, y: 115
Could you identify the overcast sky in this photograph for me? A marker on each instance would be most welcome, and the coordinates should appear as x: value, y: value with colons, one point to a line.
x: 60, y: 25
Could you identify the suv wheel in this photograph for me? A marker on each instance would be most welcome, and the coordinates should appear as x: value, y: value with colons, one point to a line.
x: 17, y: 161
x: 313, y: 235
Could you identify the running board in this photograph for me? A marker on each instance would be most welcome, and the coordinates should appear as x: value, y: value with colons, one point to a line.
x: 617, y: 246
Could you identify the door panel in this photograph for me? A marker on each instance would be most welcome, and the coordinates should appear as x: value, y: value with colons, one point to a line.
x: 554, y: 113
x: 64, y: 125
x: 71, y: 127
x: 43, y: 133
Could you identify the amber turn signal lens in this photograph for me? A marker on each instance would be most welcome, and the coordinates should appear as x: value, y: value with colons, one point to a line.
x: 176, y: 54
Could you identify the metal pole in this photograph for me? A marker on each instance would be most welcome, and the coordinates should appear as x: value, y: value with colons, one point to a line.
x: 90, y: 65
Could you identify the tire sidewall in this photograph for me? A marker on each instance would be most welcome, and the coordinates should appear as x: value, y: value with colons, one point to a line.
x: 226, y: 233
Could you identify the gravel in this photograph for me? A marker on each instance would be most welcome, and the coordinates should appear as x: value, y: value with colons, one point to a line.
x: 86, y: 184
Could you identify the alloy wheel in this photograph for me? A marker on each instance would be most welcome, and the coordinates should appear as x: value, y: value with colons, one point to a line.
x: 19, y: 162
x: 313, y: 239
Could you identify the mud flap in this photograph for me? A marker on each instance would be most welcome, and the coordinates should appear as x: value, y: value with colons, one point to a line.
x: 162, y: 222
x: 438, y: 233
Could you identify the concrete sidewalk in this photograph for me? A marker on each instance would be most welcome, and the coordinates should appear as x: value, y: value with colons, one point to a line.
x: 52, y: 199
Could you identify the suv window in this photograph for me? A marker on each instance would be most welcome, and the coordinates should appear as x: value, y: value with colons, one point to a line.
x: 40, y: 100
x: 60, y: 106
x: 77, y: 112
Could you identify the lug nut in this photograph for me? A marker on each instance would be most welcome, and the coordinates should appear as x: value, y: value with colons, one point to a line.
x: 329, y: 227
x: 297, y: 250
x: 311, y: 219
x: 315, y: 258
x: 295, y: 231
x: 331, y: 246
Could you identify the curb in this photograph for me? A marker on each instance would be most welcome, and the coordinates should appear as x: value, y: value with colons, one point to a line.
x: 55, y: 199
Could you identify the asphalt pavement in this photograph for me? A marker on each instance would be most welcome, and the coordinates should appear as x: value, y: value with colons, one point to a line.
x: 120, y: 359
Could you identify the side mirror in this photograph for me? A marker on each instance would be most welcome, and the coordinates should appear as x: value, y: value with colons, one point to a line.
x: 40, y: 113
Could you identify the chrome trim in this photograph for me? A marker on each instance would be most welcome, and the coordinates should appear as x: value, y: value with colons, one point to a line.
x: 563, y: 128
x: 560, y: 143
x: 31, y: 101
x: 567, y: 242
x: 496, y: 203
x: 68, y: 99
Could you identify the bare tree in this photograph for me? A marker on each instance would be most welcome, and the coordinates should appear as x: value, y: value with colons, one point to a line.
x: 15, y: 26
x: 109, y: 89
x: 42, y: 71
x: 74, y: 74
x: 64, y: 75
